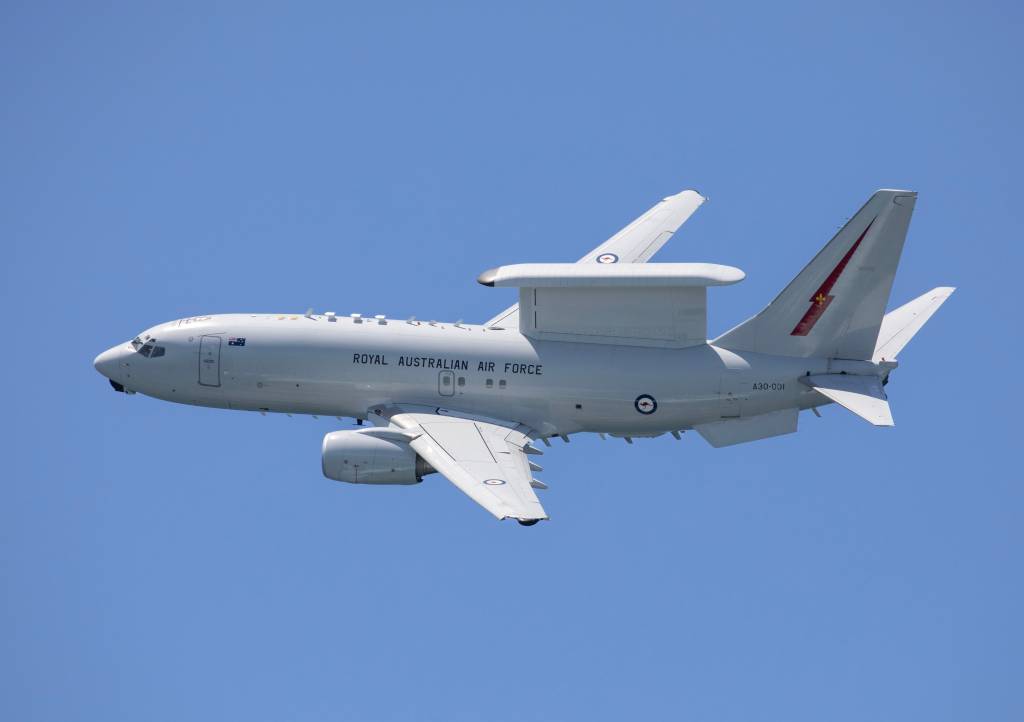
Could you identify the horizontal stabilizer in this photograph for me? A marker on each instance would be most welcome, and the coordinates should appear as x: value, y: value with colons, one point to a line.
x: 863, y: 395
x: 899, y: 326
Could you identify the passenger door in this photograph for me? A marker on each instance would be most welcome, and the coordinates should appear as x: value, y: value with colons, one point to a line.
x: 209, y: 360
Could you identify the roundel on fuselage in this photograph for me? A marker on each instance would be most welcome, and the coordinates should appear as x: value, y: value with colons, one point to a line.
x: 645, y: 404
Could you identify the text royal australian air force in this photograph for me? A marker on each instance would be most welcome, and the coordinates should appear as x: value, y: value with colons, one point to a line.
x: 444, y: 363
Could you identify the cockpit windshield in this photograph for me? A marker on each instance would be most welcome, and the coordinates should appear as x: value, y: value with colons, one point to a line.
x: 147, y: 347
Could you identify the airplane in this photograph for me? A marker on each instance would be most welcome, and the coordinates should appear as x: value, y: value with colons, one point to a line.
x: 611, y: 344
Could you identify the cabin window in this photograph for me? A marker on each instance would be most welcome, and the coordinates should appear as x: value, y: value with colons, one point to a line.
x: 461, y: 381
x: 501, y: 384
x: 489, y: 383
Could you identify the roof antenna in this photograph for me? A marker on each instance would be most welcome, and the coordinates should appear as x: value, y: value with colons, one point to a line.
x: 309, y: 312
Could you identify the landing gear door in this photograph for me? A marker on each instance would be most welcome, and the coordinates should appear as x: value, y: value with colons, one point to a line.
x: 209, y: 360
x: 446, y: 383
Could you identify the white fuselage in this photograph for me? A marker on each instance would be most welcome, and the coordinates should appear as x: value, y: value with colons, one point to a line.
x: 344, y: 367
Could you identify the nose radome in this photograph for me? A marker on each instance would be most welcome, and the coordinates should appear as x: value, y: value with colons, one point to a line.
x: 107, y: 362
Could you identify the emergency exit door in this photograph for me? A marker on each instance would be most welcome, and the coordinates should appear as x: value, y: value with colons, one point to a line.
x: 209, y: 360
x: 446, y: 383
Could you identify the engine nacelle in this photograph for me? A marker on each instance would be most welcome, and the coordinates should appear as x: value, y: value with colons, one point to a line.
x: 372, y: 456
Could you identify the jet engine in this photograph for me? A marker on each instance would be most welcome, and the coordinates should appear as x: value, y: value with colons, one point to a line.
x: 372, y: 456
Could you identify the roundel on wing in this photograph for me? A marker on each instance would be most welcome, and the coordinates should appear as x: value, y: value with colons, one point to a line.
x: 607, y: 258
x: 494, y: 482
x: 645, y: 404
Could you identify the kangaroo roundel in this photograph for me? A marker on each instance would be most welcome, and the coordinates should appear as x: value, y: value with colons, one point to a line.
x: 645, y: 404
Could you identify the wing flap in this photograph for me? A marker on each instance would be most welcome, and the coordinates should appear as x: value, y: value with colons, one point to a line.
x: 460, y: 440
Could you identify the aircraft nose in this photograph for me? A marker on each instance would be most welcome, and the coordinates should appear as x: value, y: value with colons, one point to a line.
x: 107, y: 362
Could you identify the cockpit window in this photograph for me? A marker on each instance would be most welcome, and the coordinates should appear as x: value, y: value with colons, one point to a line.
x: 148, y: 348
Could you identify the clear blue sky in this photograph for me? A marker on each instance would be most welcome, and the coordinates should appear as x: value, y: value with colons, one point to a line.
x: 163, y: 562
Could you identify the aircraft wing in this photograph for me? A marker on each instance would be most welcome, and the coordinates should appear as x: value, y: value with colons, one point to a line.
x: 635, y: 243
x: 485, y: 459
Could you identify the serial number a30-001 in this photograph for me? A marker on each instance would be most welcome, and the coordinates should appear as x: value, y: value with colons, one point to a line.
x: 768, y: 386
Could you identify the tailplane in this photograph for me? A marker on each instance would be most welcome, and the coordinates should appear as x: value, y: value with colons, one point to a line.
x: 834, y: 307
x: 863, y: 395
x: 901, y: 325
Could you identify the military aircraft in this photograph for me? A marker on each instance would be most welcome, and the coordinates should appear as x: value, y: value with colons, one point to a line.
x: 611, y: 345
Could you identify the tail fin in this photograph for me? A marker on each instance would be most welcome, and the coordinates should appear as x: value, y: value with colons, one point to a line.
x: 899, y: 326
x: 834, y: 307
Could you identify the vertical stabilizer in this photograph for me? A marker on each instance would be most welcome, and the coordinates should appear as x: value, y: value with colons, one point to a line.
x: 834, y: 307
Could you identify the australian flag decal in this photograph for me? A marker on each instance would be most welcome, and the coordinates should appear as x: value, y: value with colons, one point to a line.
x: 232, y: 341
